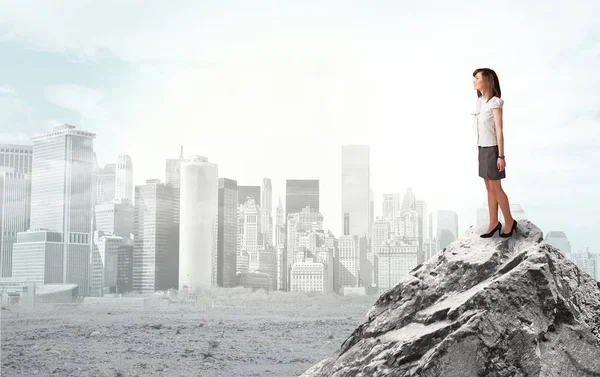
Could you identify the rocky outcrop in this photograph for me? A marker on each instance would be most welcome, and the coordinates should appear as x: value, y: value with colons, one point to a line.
x: 481, y: 307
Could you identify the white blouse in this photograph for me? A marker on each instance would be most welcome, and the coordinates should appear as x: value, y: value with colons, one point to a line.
x: 483, y: 122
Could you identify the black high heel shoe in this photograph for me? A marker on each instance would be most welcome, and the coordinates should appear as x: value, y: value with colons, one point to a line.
x: 490, y: 234
x: 513, y: 228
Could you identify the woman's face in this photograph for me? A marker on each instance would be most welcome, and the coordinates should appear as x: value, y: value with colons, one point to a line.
x: 478, y: 83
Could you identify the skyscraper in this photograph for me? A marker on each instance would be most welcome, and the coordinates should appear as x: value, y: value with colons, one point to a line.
x: 408, y: 201
x: 156, y: 240
x: 252, y: 235
x: 559, y: 240
x: 17, y: 156
x: 356, y: 190
x: 115, y: 218
x: 267, y: 210
x: 106, y: 184
x: 15, y: 198
x: 173, y: 170
x: 198, y: 214
x: 371, y: 210
x: 300, y: 193
x: 124, y: 179
x: 390, y: 206
x: 61, y: 208
x: 227, y: 234
x: 447, y: 227
x: 279, y: 225
x: 587, y: 262
x: 421, y: 207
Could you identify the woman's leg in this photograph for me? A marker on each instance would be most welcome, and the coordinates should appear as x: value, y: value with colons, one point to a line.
x: 502, y: 199
x: 492, y: 206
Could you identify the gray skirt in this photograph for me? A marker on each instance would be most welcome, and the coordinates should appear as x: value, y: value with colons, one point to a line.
x: 488, y: 159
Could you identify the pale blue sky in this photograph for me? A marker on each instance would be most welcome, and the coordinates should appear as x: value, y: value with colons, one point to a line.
x: 273, y: 89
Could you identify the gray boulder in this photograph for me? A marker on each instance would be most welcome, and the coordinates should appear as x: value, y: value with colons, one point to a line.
x: 481, y: 307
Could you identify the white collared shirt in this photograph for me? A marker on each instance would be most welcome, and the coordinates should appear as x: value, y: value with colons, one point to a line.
x: 483, y: 122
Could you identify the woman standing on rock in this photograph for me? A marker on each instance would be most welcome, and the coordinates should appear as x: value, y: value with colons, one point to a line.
x: 490, y: 141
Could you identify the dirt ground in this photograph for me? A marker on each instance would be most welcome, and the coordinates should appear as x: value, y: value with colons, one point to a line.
x: 267, y: 336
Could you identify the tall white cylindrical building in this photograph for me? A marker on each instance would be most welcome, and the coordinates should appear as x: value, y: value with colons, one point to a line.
x: 198, y: 215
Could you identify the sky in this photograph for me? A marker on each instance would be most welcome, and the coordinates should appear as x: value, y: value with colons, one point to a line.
x: 274, y: 89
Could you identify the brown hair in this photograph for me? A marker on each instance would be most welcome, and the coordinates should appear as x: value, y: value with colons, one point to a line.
x: 491, y: 82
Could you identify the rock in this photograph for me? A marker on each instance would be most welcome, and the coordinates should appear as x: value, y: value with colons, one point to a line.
x: 484, y: 307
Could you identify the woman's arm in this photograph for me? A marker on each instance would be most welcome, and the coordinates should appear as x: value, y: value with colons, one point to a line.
x: 499, y: 135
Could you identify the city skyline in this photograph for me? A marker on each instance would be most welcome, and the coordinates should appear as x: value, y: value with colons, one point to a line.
x: 221, y: 82
x: 474, y: 219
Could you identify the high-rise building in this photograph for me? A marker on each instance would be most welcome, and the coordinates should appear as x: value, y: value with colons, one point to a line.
x: 16, y: 156
x: 105, y: 263
x: 156, y: 237
x: 348, y: 262
x: 124, y: 179
x: 408, y: 201
x: 267, y: 207
x: 173, y: 170
x: 371, y: 210
x: 106, y: 184
x: 447, y: 227
x: 15, y: 196
x: 298, y: 223
x: 61, y: 209
x: 199, y: 218
x: 408, y: 226
x: 424, y: 225
x: 115, y: 218
x: 125, y: 267
x: 39, y: 256
x: 431, y: 238
x: 301, y: 193
x: 421, y: 208
x: 587, y: 262
x: 356, y: 191
x: 395, y: 261
x: 264, y: 261
x: 252, y: 235
x: 245, y: 192
x: 225, y: 260
x: 558, y: 239
x: 390, y: 206
x: 381, y: 233
x: 279, y: 225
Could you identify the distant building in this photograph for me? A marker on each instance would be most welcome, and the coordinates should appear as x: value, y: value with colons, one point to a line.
x: 558, y: 239
x: 15, y: 202
x: 57, y: 248
x: 309, y: 276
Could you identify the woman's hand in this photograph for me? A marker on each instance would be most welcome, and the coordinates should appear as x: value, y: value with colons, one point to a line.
x: 501, y: 164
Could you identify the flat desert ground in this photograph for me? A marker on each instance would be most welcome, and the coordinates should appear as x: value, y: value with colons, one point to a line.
x: 221, y: 333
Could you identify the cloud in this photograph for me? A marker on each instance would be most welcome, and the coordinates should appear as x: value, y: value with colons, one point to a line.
x: 16, y: 115
x: 89, y: 103
x: 7, y: 90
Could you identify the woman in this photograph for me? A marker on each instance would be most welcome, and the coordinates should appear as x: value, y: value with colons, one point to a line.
x: 490, y: 141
